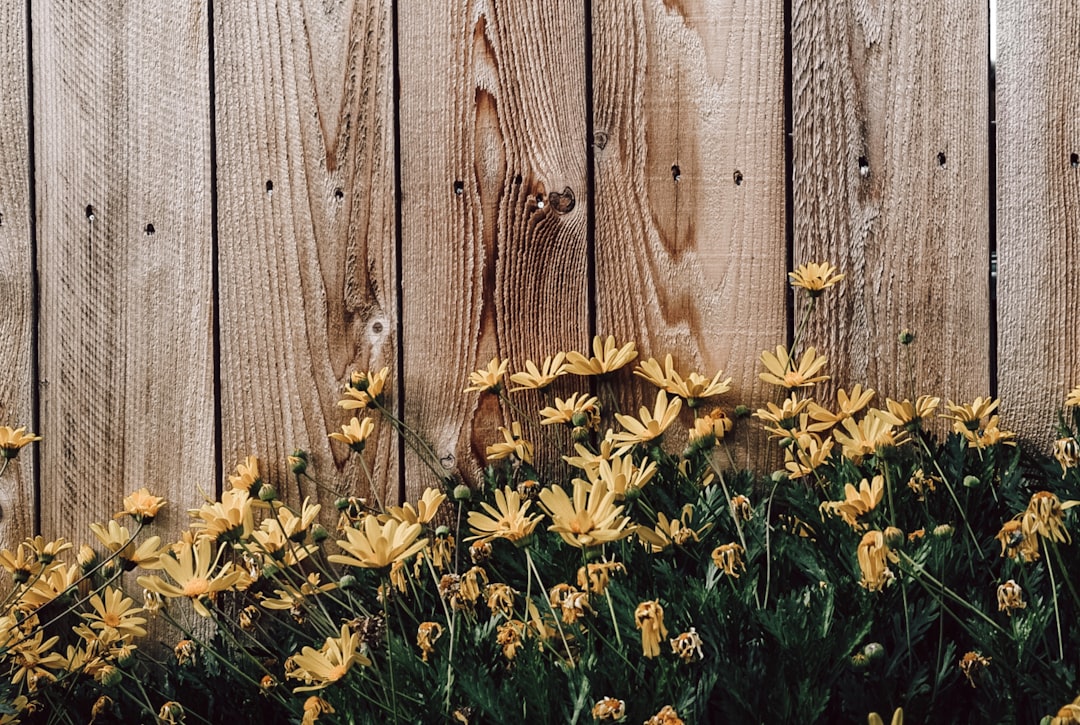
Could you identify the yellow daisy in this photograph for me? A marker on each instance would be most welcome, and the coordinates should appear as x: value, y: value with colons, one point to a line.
x: 607, y: 357
x: 513, y: 445
x: 364, y: 389
x: 247, y: 475
x: 116, y: 612
x: 194, y: 574
x: 589, y: 519
x: 355, y: 434
x: 580, y: 410
x: 507, y: 519
x: 691, y: 389
x: 815, y: 277
x: 857, y: 502
x: 649, y: 426
x: 142, y: 506
x: 376, y: 545
x: 488, y: 379
x: 425, y: 509
x: 539, y: 378
x: 781, y: 369
x: 12, y: 440
x: 319, y: 668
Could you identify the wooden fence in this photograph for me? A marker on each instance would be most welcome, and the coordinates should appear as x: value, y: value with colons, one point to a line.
x: 213, y: 211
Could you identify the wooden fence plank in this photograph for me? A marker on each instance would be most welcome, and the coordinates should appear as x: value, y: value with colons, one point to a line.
x: 16, y: 273
x: 1038, y: 212
x: 689, y: 144
x: 890, y: 184
x: 122, y: 128
x: 306, y: 231
x: 494, y: 208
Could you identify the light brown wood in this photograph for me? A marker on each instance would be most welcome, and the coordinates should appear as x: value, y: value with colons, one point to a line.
x: 307, y: 269
x: 17, y: 502
x: 890, y: 184
x: 689, y: 144
x: 122, y: 123
x: 494, y: 208
x: 1038, y: 144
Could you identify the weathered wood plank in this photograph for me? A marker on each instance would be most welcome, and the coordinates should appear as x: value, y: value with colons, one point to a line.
x: 494, y: 208
x: 890, y: 184
x: 689, y: 144
x: 307, y: 265
x: 122, y: 117
x: 16, y: 273
x: 1038, y: 146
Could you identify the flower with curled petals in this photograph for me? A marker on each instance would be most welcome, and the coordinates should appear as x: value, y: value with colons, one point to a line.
x: 534, y: 378
x: 319, y: 668
x: 607, y: 357
x: 489, y: 379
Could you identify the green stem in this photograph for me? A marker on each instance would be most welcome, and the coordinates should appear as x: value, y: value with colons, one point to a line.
x: 768, y: 553
x: 1053, y: 593
x: 738, y: 524
x: 956, y: 501
x: 543, y: 590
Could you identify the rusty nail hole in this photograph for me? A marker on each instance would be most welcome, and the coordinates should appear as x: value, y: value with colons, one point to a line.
x: 338, y: 193
x: 1074, y: 160
x: 738, y: 177
x: 864, y: 166
x: 269, y: 186
x: 459, y: 187
x: 149, y: 230
x: 941, y: 159
x: 377, y: 328
x: 90, y: 213
x: 676, y: 173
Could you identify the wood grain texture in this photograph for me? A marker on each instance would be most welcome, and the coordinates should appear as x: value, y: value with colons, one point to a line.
x: 1038, y: 144
x: 16, y: 274
x: 890, y: 184
x: 307, y: 268
x: 689, y: 144
x: 122, y: 127
x: 494, y: 208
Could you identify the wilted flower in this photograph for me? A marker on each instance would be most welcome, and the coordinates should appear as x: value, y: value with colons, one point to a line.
x: 920, y: 483
x: 897, y: 718
x: 872, y: 554
x: 1045, y: 516
x: 607, y: 357
x: 573, y: 603
x: 687, y: 646
x: 728, y: 558
x: 781, y: 369
x: 857, y: 503
x: 1010, y: 597
x: 171, y: 713
x: 1016, y: 541
x: 185, y: 652
x: 314, y: 707
x: 741, y: 510
x: 596, y: 576
x: 666, y: 716
x: 426, y: 636
x: 815, y: 277
x: 500, y: 598
x: 1067, y: 453
x: 649, y: 618
x: 1069, y: 714
x: 509, y: 636
x: 971, y: 664
x: 609, y: 708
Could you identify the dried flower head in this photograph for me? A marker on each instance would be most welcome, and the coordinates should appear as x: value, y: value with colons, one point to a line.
x: 687, y: 646
x: 1045, y: 516
x: 728, y: 558
x: 1010, y: 597
x: 1067, y: 453
x: 426, y: 636
x: 667, y: 716
x: 609, y: 708
x: 649, y: 618
x: 971, y: 664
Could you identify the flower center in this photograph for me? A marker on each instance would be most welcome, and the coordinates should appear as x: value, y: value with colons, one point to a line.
x: 196, y: 587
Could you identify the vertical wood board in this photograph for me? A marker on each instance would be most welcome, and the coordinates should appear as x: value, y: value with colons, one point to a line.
x: 122, y: 127
x: 16, y: 275
x: 1038, y: 144
x: 890, y: 185
x: 306, y: 232
x: 494, y: 208
x: 689, y: 147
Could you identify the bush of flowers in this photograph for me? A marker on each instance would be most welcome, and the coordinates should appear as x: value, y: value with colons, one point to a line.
x: 620, y: 567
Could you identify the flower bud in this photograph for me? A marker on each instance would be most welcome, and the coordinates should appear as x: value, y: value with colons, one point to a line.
x: 741, y: 411
x: 462, y: 492
x: 319, y: 533
x: 906, y: 337
x: 267, y: 493
x: 579, y: 419
x: 873, y: 652
x: 778, y: 476
x: 971, y: 481
x: 579, y: 434
x: 347, y: 582
x: 894, y: 537
x: 87, y: 558
x: 109, y: 675
x: 943, y: 530
x: 298, y: 462
x: 442, y: 532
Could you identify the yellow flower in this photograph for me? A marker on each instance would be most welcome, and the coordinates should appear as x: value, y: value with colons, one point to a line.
x: 609, y: 708
x: 1069, y: 714
x: 31, y: 660
x: 607, y: 358
x: 711, y: 427
x: 806, y: 457
x: 54, y: 583
x: 815, y: 277
x: 728, y: 558
x: 966, y: 415
x: 1016, y: 541
x: 1010, y: 597
x: 574, y: 604
x: 45, y: 550
x: 510, y: 636
x: 116, y: 612
x: 116, y: 538
x: 1072, y: 400
x: 1067, y: 453
x: 12, y: 440
x: 906, y: 413
x: 21, y: 563
x: 596, y: 576
x: 649, y: 618
x: 295, y: 598
x: 513, y: 445
x: 142, y: 506
x: 230, y: 519
x: 508, y: 519
x: 500, y: 598
x: 325, y: 666
x: 579, y: 410
x: 671, y: 531
x: 538, y: 379
x: 864, y: 438
x: 425, y: 510
x: 847, y: 405
x: 488, y: 379
x: 426, y: 636
x: 193, y: 573
x: 783, y: 417
x: 1045, y: 517
x: 378, y: 545
x: 622, y: 476
x: 588, y: 461
x: 871, y: 554
x: 666, y: 716
x: 687, y: 646
x: 364, y: 389
x: 692, y: 389
x: 590, y: 519
x: 897, y: 718
x: 650, y: 426
x: 988, y: 435
x: 247, y: 475
x: 857, y: 503
x: 781, y: 369
x: 356, y: 433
